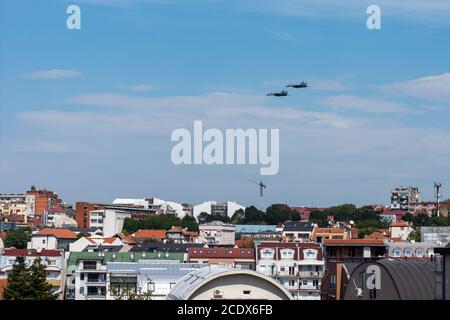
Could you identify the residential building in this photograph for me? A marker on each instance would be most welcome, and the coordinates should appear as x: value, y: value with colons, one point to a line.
x: 240, y: 258
x: 297, y: 231
x: 442, y: 267
x: 217, y: 208
x: 320, y: 234
x: 411, y: 250
x: 299, y: 267
x: 163, y: 248
x: 400, y: 229
x: 221, y: 283
x: 108, y: 220
x: 15, y: 204
x: 83, y: 210
x: 179, y: 209
x: 342, y: 257
x: 153, y: 277
x: 59, y: 216
x: 258, y: 232
x: 392, y: 215
x: 146, y: 236
x: 392, y: 279
x: 53, y: 260
x: 52, y: 239
x: 435, y: 234
x: 404, y: 198
x: 87, y: 271
x: 216, y: 233
x: 41, y: 200
x: 180, y: 235
x: 95, y: 243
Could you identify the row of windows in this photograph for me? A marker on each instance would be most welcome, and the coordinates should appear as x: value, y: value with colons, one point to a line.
x: 288, y: 253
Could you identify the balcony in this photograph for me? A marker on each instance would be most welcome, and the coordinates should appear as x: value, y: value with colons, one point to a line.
x: 310, y: 274
x: 309, y: 287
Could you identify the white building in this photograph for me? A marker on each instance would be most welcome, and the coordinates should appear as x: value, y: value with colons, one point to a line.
x: 299, y: 267
x: 216, y: 233
x: 222, y: 283
x: 153, y: 277
x: 92, y: 243
x: 404, y: 198
x: 108, y: 220
x: 400, y: 230
x: 213, y: 207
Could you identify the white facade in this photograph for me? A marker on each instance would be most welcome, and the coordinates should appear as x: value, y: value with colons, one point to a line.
x: 85, y: 242
x: 301, y: 277
x: 178, y: 208
x: 47, y: 242
x: 108, y: 220
x: 216, y: 233
x: 401, y: 232
x: 133, y: 202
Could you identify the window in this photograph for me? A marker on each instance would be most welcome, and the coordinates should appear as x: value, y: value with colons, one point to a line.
x: 419, y: 253
x: 282, y: 268
x: 304, y: 282
x: 82, y: 276
x: 310, y: 254
x: 287, y: 254
x: 408, y: 253
x: 291, y: 283
x: 82, y: 290
x: 267, y: 253
x: 247, y: 291
x: 333, y: 280
x: 397, y: 253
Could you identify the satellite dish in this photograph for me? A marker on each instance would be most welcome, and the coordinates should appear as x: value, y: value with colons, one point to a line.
x: 352, y: 222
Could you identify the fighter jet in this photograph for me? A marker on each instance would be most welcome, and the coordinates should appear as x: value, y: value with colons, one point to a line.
x: 278, y: 94
x: 303, y: 84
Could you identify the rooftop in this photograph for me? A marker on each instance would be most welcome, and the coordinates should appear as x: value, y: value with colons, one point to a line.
x: 58, y: 233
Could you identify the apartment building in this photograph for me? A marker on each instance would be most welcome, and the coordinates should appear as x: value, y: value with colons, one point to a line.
x: 87, y: 271
x: 153, y: 278
x: 41, y: 200
x: 217, y: 208
x: 435, y: 234
x: 297, y: 231
x: 404, y: 198
x: 109, y: 221
x: 320, y: 234
x: 53, y: 260
x: 216, y: 233
x: 299, y: 267
x: 342, y: 257
x: 240, y: 258
x: 52, y: 239
x: 411, y: 250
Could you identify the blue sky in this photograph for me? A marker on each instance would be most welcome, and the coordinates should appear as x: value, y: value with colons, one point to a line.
x: 89, y: 113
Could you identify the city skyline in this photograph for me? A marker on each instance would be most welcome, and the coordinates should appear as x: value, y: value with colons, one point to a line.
x: 90, y: 112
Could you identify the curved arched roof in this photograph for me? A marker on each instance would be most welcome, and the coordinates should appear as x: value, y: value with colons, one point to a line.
x: 413, y: 279
x: 191, y: 282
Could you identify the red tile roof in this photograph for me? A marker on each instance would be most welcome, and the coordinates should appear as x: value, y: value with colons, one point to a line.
x: 12, y: 252
x: 58, y: 233
x: 158, y: 234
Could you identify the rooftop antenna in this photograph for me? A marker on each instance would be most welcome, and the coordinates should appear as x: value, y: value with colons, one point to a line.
x: 437, y: 187
x: 261, y: 192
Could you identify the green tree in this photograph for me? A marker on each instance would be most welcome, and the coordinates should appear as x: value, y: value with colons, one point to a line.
x: 414, y: 235
x: 17, y: 238
x: 238, y: 217
x: 190, y: 223
x: 18, y: 287
x: 202, y: 218
x: 41, y: 289
x: 83, y: 234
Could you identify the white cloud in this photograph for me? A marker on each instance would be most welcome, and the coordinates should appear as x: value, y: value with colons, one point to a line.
x: 430, y: 87
x: 139, y: 87
x: 53, y: 74
x: 278, y: 34
x: 370, y: 105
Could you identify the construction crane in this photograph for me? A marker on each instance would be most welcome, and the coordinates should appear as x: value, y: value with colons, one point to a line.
x: 262, y: 186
